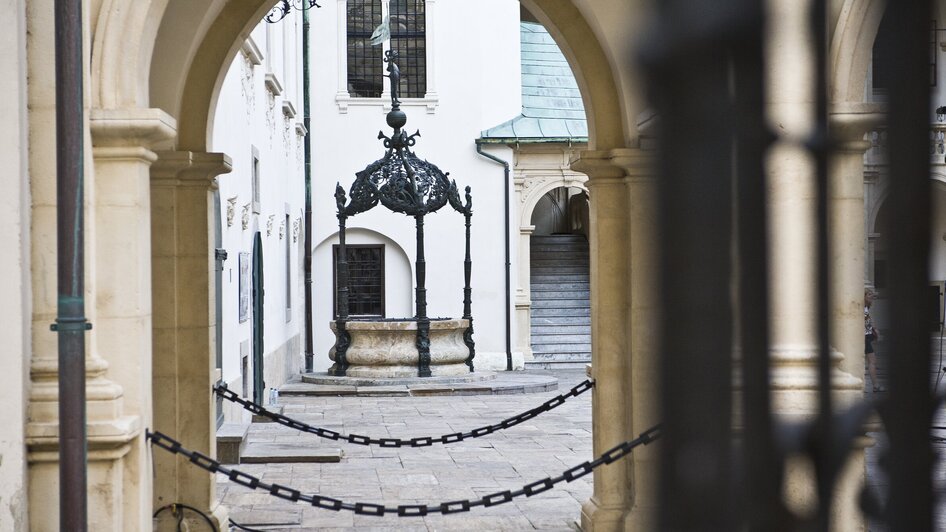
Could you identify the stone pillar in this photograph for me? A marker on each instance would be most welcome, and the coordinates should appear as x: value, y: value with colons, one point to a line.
x: 114, y: 436
x: 643, y: 326
x: 793, y: 247
x: 609, y: 339
x: 121, y: 265
x: 524, y: 294
x: 849, y: 124
x: 184, y: 322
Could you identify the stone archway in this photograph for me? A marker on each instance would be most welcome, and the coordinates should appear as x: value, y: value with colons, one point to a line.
x: 532, y: 182
x: 156, y: 70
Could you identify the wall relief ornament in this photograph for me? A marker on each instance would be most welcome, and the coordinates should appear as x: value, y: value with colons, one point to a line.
x: 246, y: 215
x: 269, y: 224
x: 231, y: 210
x: 296, y: 224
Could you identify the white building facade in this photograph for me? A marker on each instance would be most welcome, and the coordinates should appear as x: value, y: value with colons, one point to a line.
x: 460, y: 70
x: 259, y: 124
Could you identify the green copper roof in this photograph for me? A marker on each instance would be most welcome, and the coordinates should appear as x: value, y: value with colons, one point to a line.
x: 552, y: 110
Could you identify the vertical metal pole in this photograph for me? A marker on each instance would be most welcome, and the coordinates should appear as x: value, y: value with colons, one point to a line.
x: 467, y: 290
x: 71, y: 323
x: 910, y: 407
x: 307, y: 225
x: 690, y: 85
x: 423, y: 322
x: 342, y: 339
x: 820, y: 145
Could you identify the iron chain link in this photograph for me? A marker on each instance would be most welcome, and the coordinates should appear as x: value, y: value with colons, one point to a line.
x: 356, y: 439
x: 406, y: 510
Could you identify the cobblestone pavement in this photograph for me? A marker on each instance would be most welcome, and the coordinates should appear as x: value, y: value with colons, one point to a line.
x: 541, y: 447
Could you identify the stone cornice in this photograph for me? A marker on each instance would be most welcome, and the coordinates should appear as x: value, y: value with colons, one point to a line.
x: 187, y: 168
x: 849, y: 122
x: 130, y: 128
x: 616, y: 164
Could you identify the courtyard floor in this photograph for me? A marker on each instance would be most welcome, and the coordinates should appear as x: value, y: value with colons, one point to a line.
x: 541, y: 447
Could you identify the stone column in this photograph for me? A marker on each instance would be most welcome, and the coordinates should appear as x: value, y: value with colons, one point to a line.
x: 643, y: 302
x: 121, y: 140
x: 524, y: 294
x: 114, y: 475
x: 793, y: 246
x: 184, y: 322
x: 849, y: 123
x: 609, y: 339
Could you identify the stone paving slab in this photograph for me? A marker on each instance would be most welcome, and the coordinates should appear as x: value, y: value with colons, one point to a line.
x: 503, y: 383
x: 507, y: 459
x: 276, y: 453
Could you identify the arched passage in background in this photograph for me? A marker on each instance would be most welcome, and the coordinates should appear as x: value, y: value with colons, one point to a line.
x: 559, y: 283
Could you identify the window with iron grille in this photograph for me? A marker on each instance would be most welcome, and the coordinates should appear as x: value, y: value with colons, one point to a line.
x: 365, y: 280
x: 408, y: 38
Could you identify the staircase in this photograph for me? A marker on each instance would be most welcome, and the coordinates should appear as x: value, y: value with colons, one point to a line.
x: 561, y: 309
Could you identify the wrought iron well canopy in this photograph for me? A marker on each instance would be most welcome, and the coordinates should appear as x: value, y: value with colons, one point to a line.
x: 404, y: 183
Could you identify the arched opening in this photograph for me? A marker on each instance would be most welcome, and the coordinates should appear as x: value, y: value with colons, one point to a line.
x: 559, y: 283
x: 185, y: 80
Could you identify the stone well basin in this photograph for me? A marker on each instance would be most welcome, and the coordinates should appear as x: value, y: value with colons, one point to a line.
x: 388, y: 348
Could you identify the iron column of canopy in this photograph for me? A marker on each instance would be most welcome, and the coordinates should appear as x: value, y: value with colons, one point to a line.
x: 403, y: 183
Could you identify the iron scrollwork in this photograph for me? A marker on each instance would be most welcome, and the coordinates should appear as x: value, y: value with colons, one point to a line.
x: 404, y: 183
x: 467, y: 212
x: 284, y: 7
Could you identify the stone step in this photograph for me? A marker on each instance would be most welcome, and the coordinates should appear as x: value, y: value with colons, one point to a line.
x: 231, y: 442
x: 561, y: 349
x: 282, y: 453
x: 577, y: 285
x: 562, y: 339
x: 553, y: 357
x: 552, y: 365
x: 567, y: 312
x: 560, y: 303
x: 561, y: 236
x: 552, y: 261
x: 562, y: 254
x: 582, y: 295
x: 558, y: 329
x: 560, y: 270
x: 561, y: 321
x: 259, y: 418
x: 560, y: 278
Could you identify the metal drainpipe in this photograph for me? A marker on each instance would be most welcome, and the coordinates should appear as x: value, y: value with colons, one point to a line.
x: 308, y: 193
x: 479, y: 150
x: 71, y: 323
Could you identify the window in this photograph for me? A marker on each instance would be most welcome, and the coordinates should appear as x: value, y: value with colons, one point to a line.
x: 364, y: 60
x: 255, y: 179
x: 288, y: 270
x: 408, y: 37
x: 365, y: 280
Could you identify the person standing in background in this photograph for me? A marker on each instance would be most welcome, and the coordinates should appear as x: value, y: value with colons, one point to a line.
x: 870, y: 336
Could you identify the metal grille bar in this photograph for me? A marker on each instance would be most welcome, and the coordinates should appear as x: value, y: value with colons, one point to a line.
x: 911, y: 407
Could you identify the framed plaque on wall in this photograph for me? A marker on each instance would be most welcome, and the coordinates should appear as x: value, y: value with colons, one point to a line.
x: 244, y: 286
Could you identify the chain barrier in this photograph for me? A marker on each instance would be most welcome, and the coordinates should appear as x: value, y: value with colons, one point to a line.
x: 363, y: 508
x: 552, y: 403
